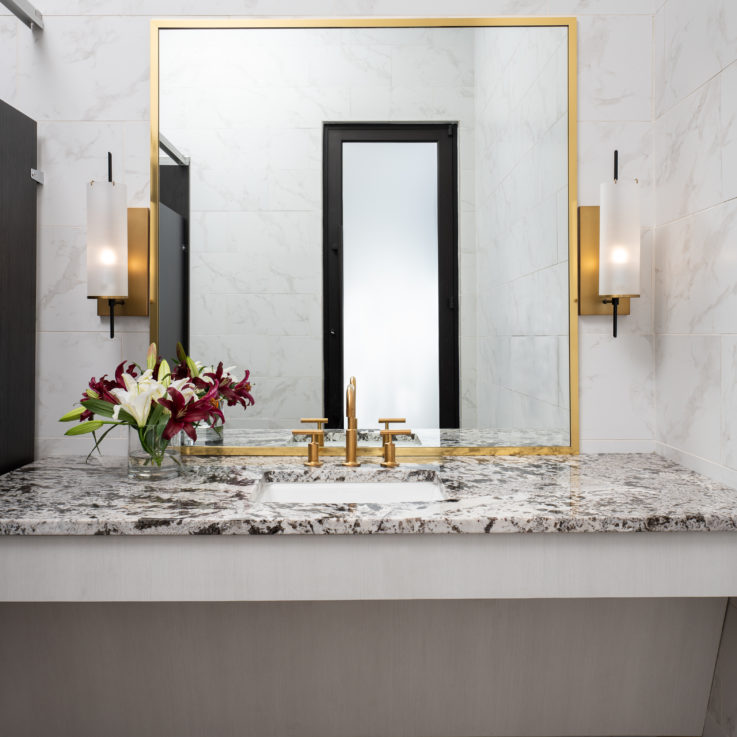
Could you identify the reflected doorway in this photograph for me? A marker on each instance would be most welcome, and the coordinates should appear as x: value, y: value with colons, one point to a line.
x: 390, y: 272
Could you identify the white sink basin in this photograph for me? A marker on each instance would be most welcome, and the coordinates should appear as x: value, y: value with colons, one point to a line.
x: 348, y: 492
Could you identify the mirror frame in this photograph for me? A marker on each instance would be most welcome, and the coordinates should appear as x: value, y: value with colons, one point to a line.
x: 158, y: 25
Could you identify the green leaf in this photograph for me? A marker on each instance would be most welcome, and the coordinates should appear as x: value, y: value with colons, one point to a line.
x: 73, y: 414
x: 127, y: 418
x: 85, y: 427
x: 99, y: 407
x: 158, y: 415
x: 96, y: 446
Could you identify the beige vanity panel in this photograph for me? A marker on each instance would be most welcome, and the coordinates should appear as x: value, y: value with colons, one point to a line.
x: 359, y: 669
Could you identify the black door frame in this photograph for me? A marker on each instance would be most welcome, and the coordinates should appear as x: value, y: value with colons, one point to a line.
x: 445, y: 135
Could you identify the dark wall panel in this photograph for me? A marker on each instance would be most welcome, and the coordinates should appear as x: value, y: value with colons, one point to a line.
x: 17, y: 287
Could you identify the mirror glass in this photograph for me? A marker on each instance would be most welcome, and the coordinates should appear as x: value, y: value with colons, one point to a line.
x: 390, y: 203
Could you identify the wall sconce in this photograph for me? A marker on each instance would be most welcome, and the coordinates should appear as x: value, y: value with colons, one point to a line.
x: 107, y: 242
x: 117, y: 250
x: 609, y: 250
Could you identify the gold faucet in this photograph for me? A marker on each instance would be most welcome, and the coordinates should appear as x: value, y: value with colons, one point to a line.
x: 387, y: 440
x: 351, y: 433
x: 317, y: 440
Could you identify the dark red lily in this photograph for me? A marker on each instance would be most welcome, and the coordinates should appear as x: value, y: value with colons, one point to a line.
x: 241, y: 392
x: 181, y: 371
x: 131, y: 370
x: 227, y: 388
x: 185, y: 414
x: 102, y: 386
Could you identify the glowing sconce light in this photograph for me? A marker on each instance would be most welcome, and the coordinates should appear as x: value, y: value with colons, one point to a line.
x: 107, y: 242
x: 619, y: 241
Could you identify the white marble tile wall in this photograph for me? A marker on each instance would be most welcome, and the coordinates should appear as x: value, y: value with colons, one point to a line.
x: 85, y: 79
x: 695, y: 235
x: 617, y: 376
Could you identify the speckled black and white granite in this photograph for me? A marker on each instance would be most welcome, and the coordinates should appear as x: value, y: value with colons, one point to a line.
x: 553, y: 494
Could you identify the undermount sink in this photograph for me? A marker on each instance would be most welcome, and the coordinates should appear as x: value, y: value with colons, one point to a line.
x: 309, y: 489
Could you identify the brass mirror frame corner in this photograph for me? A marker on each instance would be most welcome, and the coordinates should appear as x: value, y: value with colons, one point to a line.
x: 158, y: 25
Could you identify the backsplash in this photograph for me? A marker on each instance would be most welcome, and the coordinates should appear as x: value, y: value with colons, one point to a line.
x: 85, y: 79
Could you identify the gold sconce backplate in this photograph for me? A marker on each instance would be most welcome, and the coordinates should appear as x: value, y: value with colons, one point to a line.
x: 589, y: 301
x: 136, y: 303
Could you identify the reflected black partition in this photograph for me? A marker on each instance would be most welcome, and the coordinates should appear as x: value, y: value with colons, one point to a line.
x: 173, y: 259
x: 173, y: 283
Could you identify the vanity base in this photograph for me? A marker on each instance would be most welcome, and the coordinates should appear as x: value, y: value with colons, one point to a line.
x: 348, y: 567
x: 513, y: 668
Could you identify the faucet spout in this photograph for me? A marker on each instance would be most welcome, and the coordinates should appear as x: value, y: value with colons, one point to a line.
x: 350, y: 399
x: 351, y: 431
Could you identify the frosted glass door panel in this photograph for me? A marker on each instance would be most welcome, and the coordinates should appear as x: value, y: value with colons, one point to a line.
x: 390, y: 280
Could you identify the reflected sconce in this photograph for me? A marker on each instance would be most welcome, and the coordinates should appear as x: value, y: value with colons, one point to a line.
x: 609, y: 250
x: 117, y: 250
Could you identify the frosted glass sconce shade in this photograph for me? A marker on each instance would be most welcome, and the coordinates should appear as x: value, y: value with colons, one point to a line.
x: 619, y: 240
x: 107, y: 240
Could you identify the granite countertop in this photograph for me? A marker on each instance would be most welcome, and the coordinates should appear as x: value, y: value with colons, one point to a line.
x: 502, y: 494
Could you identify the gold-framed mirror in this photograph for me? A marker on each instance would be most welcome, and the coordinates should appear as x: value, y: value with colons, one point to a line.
x: 248, y: 107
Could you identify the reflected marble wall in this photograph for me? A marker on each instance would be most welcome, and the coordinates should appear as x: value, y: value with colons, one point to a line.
x: 522, y: 228
x: 89, y: 100
x: 695, y: 236
x: 249, y: 109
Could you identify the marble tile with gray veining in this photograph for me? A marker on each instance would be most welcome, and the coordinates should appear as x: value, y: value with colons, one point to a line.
x: 504, y: 494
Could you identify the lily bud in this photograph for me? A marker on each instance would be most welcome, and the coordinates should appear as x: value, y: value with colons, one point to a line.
x: 151, y: 356
x: 73, y: 414
x: 164, y: 375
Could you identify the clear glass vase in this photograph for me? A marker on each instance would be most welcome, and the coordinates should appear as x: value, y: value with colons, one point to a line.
x: 211, y: 434
x: 151, y: 457
x: 206, y: 434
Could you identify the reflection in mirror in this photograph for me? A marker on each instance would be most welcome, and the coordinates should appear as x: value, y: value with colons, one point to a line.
x: 390, y: 276
x: 251, y: 107
x: 173, y: 277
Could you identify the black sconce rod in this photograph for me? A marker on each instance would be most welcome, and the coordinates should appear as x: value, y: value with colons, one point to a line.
x: 614, y: 302
x: 111, y: 304
x: 616, y: 165
x: 110, y: 167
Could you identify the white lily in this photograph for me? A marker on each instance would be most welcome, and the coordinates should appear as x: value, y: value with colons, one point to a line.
x: 138, y: 395
x: 187, y: 389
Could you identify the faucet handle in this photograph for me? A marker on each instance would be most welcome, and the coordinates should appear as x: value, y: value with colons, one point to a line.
x: 388, y: 421
x: 390, y: 450
x: 320, y: 422
x: 313, y: 447
x: 391, y: 420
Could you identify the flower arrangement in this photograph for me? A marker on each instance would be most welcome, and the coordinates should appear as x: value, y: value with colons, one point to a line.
x: 157, y: 403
